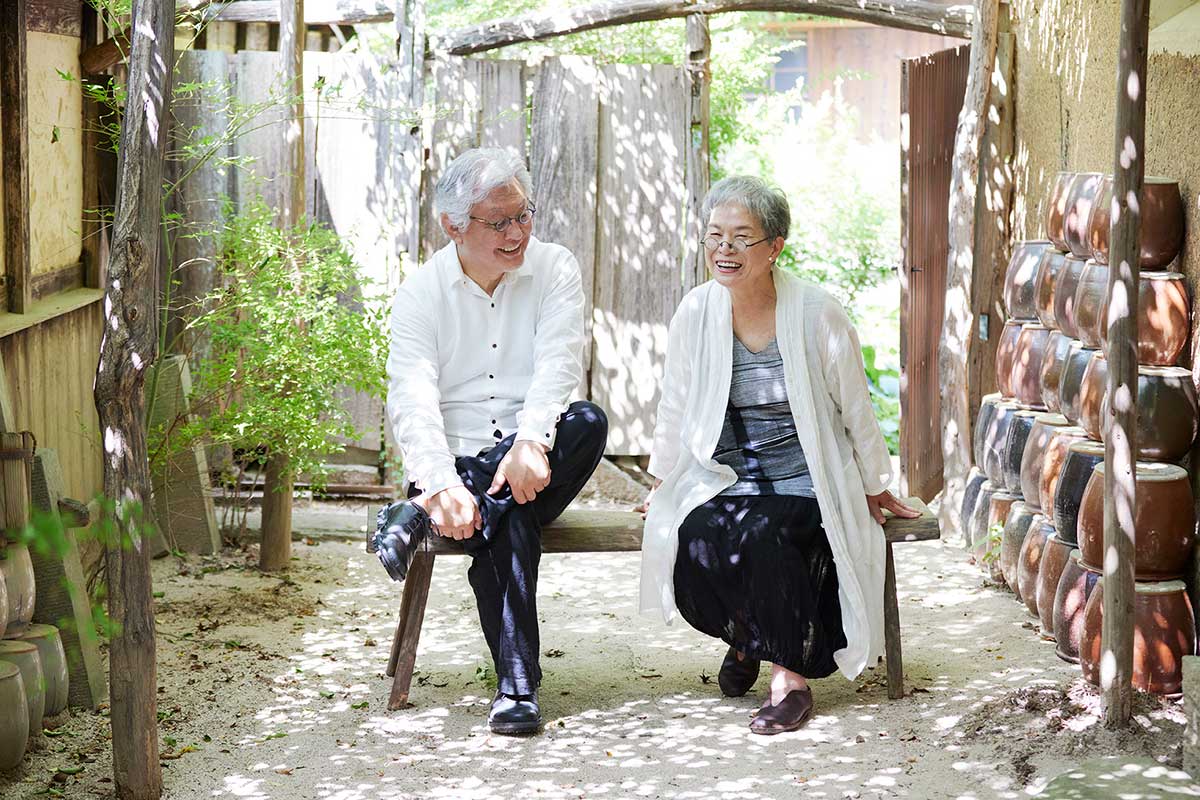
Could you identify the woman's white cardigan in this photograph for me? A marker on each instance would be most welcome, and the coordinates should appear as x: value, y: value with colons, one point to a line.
x: 827, y: 390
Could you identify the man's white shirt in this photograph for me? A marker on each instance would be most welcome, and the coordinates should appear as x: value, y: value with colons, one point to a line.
x: 466, y: 370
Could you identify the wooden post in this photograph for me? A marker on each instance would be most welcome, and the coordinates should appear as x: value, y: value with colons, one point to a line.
x: 276, y: 549
x: 16, y: 466
x: 127, y: 350
x: 14, y: 153
x: 956, y: 328
x: 1120, y: 439
x: 410, y: 55
x: 699, y: 72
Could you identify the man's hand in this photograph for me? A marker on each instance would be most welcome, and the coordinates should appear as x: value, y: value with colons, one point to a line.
x: 455, y: 512
x: 525, y: 469
x: 886, y: 500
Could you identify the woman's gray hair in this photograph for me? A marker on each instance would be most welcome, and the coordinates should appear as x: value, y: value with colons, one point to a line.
x: 473, y: 176
x: 765, y: 202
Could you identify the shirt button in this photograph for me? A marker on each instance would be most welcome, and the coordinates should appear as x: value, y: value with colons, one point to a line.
x: 492, y: 397
x: 493, y: 305
x: 494, y: 345
x: 493, y: 377
x: 493, y: 422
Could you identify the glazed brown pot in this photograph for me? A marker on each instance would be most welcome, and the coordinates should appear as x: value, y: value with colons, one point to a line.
x: 1163, y: 319
x: 1030, y: 560
x: 1082, y: 458
x: 978, y: 518
x: 1070, y: 385
x: 1047, y: 280
x: 975, y: 481
x: 14, y: 716
x: 1026, y: 375
x: 1052, y: 462
x: 995, y: 439
x: 25, y: 656
x: 1164, y: 521
x: 1058, y: 347
x: 1020, y: 279
x: 983, y: 420
x: 1166, y: 413
x: 1055, y: 557
x: 987, y: 518
x: 54, y: 665
x: 1164, y: 631
x: 1014, y: 449
x: 1077, y: 219
x: 1070, y: 600
x: 1044, y: 427
x: 1056, y: 209
x: 16, y: 567
x: 1020, y: 518
x: 1006, y: 354
x: 1065, y: 286
x: 1092, y: 389
x: 1091, y: 303
x: 1162, y: 222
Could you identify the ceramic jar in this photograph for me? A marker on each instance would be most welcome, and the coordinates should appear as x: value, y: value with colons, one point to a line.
x: 975, y: 481
x: 1162, y: 222
x: 1020, y: 279
x: 1092, y: 390
x: 1163, y: 318
x: 1164, y: 631
x: 1056, y: 209
x: 1065, y: 287
x: 3, y: 605
x: 1166, y: 413
x: 1055, y: 557
x: 1164, y: 521
x: 1047, y: 281
x: 54, y: 665
x: 1091, y: 303
x: 1020, y: 518
x: 983, y: 420
x: 1070, y: 599
x: 1044, y: 427
x: 988, y: 517
x: 1052, y: 462
x: 1077, y: 219
x: 14, y: 716
x: 1073, y: 478
x: 1058, y: 347
x: 1006, y: 355
x: 25, y: 656
x: 1029, y: 561
x: 995, y: 440
x: 1026, y: 375
x: 1014, y: 449
x: 1071, y: 383
x: 16, y: 567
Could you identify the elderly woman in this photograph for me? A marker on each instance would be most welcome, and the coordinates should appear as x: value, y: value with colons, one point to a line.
x: 764, y: 526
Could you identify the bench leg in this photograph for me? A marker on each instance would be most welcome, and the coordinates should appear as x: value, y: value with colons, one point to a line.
x: 408, y: 631
x: 891, y: 630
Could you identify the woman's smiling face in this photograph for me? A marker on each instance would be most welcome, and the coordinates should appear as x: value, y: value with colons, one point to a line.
x: 732, y: 223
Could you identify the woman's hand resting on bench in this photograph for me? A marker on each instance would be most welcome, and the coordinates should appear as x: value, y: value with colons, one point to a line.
x: 644, y: 508
x: 877, y: 503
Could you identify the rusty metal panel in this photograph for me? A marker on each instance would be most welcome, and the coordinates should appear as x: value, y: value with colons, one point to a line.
x: 932, y: 92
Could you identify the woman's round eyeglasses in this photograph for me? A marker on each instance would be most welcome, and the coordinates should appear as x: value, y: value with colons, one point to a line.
x: 713, y: 243
x: 500, y: 226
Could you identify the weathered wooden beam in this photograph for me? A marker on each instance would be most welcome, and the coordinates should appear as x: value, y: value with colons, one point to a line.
x: 1120, y: 433
x: 699, y: 172
x: 959, y: 319
x: 14, y: 152
x: 60, y: 17
x: 916, y: 15
x: 60, y: 280
x: 129, y: 347
x: 316, y: 12
x: 112, y: 51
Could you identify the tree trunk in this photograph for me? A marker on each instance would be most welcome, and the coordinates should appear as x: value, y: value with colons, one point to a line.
x: 1120, y: 436
x: 126, y: 352
x: 276, y: 550
x: 956, y: 327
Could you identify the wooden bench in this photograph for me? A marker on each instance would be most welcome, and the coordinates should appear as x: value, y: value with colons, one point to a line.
x: 621, y: 532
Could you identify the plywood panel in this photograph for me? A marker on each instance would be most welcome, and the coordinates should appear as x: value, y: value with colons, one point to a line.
x: 639, y: 268
x: 55, y: 152
x: 563, y: 162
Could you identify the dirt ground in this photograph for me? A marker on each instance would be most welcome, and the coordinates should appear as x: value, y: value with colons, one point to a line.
x: 274, y: 687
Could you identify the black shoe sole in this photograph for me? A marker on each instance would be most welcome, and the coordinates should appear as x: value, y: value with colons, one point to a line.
x: 515, y: 728
x: 394, y: 568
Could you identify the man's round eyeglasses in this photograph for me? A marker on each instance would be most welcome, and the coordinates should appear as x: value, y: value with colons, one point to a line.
x: 500, y: 226
x: 713, y: 243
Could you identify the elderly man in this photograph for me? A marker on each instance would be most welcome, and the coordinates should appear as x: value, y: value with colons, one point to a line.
x: 486, y: 349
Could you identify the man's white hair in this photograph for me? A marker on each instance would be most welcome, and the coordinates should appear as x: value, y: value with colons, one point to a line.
x: 473, y: 176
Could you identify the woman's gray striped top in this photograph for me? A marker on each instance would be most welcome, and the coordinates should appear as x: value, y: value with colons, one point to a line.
x: 758, y: 439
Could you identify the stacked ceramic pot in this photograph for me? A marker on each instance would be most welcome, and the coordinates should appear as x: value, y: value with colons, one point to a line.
x: 33, y: 664
x: 1077, y: 222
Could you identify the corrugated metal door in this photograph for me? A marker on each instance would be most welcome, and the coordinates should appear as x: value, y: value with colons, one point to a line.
x: 931, y: 95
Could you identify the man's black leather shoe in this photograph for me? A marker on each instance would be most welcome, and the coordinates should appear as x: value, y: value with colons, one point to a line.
x: 515, y: 714
x: 736, y: 677
x: 401, y: 529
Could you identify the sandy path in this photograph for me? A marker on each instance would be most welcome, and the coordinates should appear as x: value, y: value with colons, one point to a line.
x: 278, y: 686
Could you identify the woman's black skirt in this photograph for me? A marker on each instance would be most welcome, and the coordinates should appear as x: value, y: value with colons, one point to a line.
x: 757, y: 573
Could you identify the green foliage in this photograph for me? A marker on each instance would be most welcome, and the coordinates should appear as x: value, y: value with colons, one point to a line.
x: 289, y: 329
x: 884, y: 385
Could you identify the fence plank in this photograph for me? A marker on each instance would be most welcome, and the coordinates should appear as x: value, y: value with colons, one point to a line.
x: 264, y: 138
x: 639, y: 282
x: 563, y: 162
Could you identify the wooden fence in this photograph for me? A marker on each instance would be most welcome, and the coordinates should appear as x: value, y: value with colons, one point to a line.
x: 607, y: 148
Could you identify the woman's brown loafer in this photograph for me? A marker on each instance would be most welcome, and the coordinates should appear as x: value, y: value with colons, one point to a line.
x: 791, y: 713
